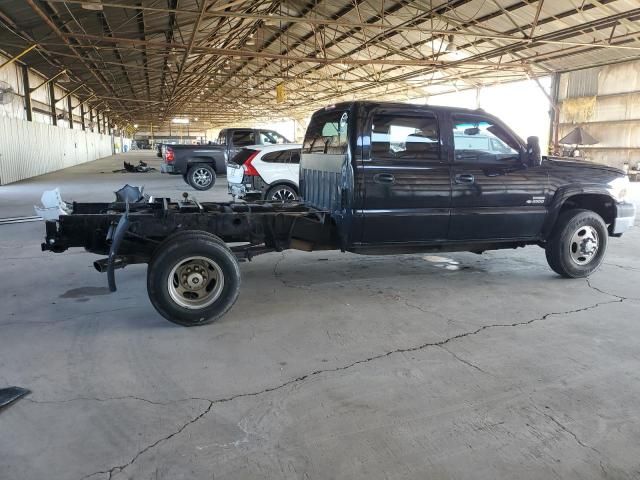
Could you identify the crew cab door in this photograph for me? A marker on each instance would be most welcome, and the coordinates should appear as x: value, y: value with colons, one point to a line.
x: 495, y: 194
x: 406, y: 178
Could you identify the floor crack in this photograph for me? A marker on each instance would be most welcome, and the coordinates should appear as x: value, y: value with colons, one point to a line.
x: 109, y: 399
x: 466, y: 362
x: 619, y: 297
x: 302, y: 378
x: 120, y: 468
x: 575, y: 437
x: 280, y: 278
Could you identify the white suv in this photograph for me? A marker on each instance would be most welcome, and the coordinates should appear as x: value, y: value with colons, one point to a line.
x: 268, y: 172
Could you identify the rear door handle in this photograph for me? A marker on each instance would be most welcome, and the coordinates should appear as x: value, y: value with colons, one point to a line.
x: 464, y: 178
x: 384, y: 178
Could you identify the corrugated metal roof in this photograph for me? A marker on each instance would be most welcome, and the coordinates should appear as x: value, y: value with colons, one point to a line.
x: 149, y: 62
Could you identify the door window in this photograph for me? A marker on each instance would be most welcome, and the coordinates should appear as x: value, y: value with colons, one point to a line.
x: 327, y: 133
x: 243, y: 137
x: 222, y: 137
x: 405, y: 137
x: 477, y: 139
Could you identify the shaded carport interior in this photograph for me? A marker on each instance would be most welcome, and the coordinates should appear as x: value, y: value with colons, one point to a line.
x: 330, y: 365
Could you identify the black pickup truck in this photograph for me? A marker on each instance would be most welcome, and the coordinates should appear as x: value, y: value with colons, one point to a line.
x: 199, y: 164
x: 375, y: 178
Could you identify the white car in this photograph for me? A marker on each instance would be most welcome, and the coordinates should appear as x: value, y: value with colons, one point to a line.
x: 268, y: 172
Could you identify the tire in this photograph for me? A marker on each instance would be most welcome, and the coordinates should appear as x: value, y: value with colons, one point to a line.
x: 201, y: 176
x: 282, y: 193
x: 183, y: 300
x: 577, y: 244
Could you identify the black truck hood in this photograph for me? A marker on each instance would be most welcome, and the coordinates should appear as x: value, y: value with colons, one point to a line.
x: 573, y: 163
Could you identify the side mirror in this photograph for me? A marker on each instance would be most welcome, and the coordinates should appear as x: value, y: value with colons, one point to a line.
x: 533, y: 151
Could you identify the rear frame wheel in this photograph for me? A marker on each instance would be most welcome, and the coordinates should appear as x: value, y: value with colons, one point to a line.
x: 193, y: 278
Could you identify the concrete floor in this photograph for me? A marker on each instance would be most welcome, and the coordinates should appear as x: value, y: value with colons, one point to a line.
x: 329, y: 366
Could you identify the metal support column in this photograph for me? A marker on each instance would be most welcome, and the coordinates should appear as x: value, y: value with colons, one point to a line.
x: 52, y: 100
x: 554, y: 113
x: 70, y: 112
x: 91, y: 117
x: 82, y: 122
x: 98, y: 121
x: 27, y: 93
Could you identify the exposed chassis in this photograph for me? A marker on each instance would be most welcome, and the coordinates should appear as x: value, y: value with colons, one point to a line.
x: 130, y: 233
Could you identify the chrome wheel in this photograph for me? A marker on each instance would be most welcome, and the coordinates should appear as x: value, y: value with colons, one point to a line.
x: 202, y: 177
x: 584, y: 245
x: 283, y: 194
x: 195, y: 282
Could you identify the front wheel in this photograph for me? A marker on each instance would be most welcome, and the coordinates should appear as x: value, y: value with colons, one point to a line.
x: 193, y: 278
x: 578, y: 243
x: 201, y: 177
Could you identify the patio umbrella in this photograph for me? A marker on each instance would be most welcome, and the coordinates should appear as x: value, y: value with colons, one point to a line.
x: 578, y: 136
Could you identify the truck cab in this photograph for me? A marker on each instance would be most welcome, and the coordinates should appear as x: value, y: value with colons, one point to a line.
x: 400, y: 178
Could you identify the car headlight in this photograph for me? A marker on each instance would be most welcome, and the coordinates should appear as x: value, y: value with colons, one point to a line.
x: 618, y: 188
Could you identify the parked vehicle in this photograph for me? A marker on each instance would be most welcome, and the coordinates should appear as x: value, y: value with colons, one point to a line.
x: 200, y: 164
x: 376, y: 178
x: 265, y: 173
x: 159, y: 150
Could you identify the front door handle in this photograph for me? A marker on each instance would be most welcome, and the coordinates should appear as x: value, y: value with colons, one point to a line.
x: 464, y: 178
x: 384, y: 178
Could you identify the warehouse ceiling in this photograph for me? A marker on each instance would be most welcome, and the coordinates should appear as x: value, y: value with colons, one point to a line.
x: 149, y: 61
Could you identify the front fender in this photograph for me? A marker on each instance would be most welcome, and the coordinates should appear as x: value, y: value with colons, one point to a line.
x: 565, y: 193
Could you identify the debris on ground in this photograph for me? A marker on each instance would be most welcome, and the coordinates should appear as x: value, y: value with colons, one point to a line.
x: 11, y: 394
x: 142, y: 167
x: 131, y: 194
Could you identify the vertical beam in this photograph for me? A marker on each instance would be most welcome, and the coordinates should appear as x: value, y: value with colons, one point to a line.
x: 554, y: 113
x: 82, y: 123
x: 27, y: 93
x: 52, y: 100
x: 91, y: 117
x: 70, y: 112
x: 98, y: 121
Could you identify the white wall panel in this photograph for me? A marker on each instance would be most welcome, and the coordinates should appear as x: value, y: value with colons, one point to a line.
x: 28, y: 149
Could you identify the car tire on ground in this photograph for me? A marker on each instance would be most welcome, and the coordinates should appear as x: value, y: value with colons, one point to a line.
x: 577, y: 244
x: 282, y: 193
x: 201, y: 176
x: 193, y: 278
